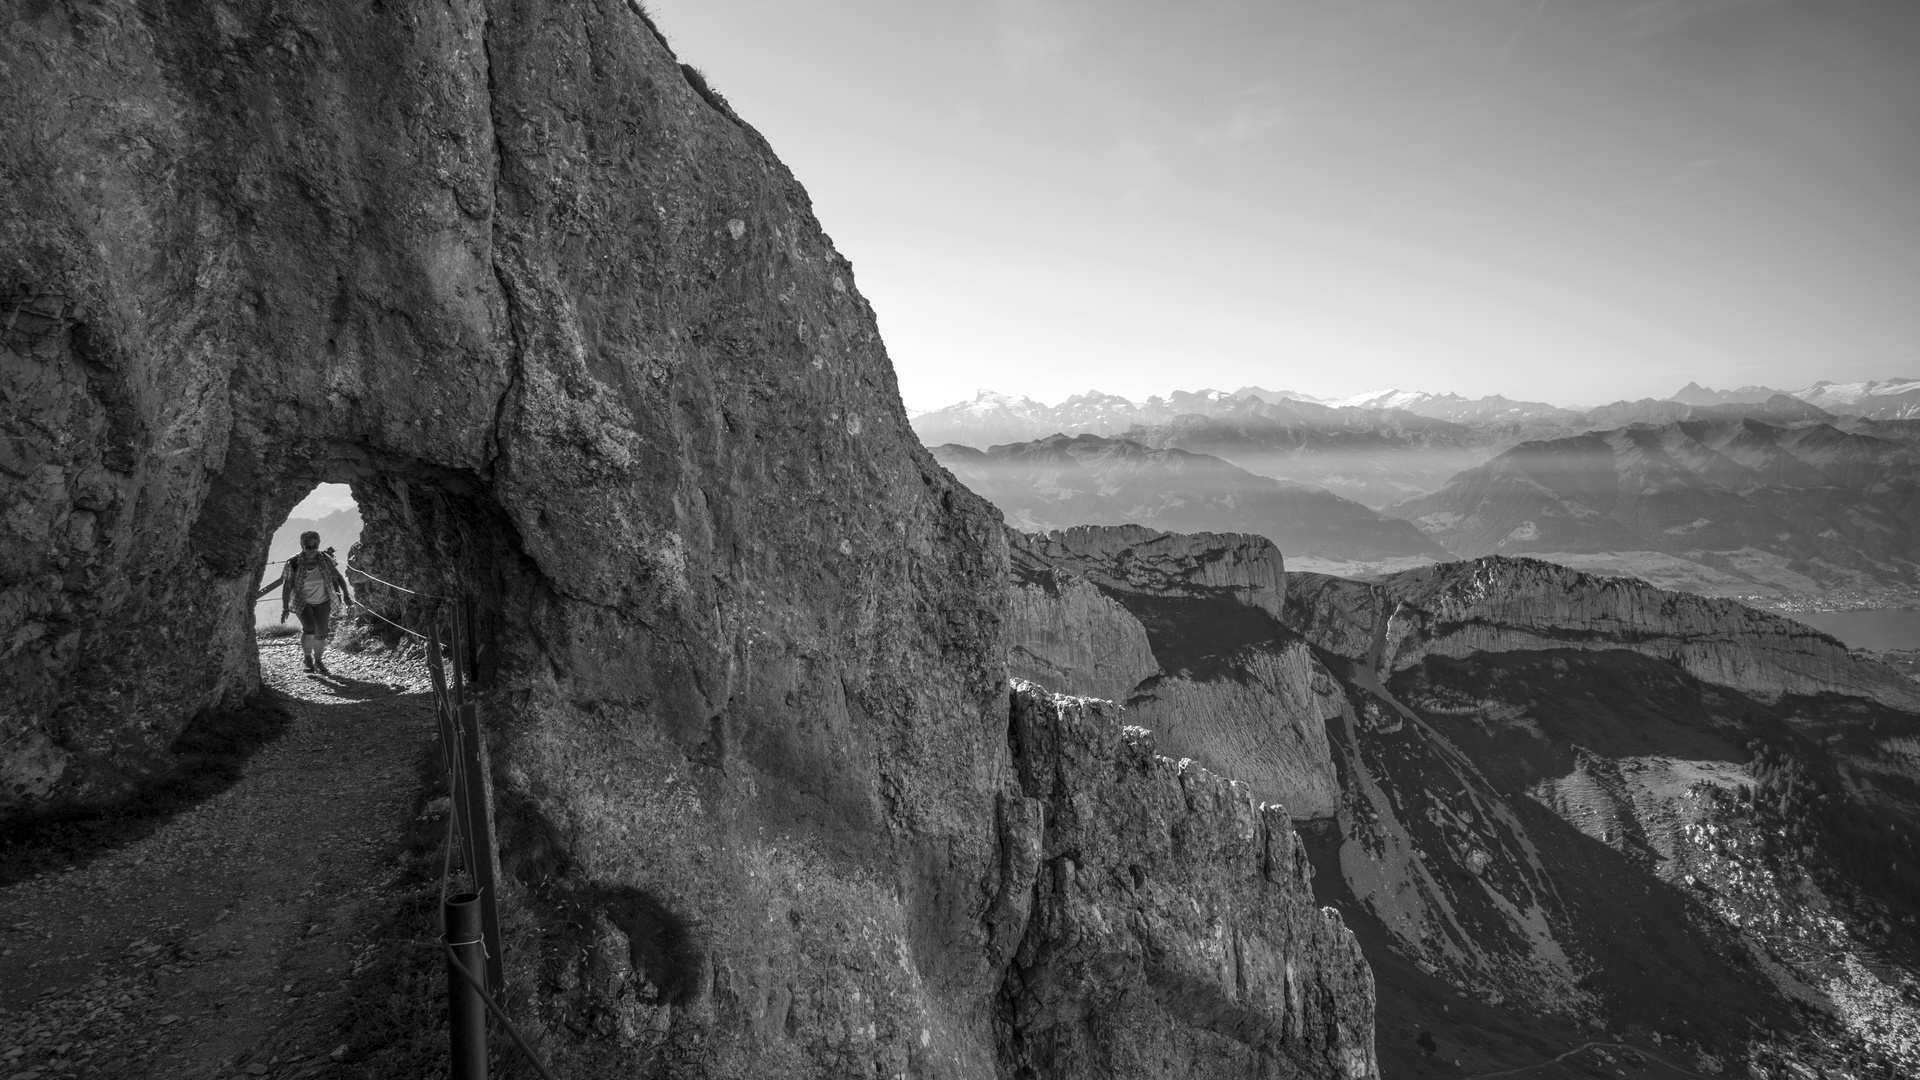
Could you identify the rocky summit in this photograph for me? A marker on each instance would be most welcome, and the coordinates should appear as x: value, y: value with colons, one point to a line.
x: 769, y: 802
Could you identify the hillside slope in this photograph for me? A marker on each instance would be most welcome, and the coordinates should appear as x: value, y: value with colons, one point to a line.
x: 1059, y: 482
x: 1804, y: 507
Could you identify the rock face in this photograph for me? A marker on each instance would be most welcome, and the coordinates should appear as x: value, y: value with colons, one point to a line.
x: 1265, y: 719
x: 1069, y: 636
x: 1130, y: 559
x: 1167, y: 918
x: 1221, y: 681
x: 571, y: 332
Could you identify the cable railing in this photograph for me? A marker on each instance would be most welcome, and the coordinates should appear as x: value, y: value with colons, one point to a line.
x: 472, y: 916
x: 264, y: 596
x: 469, y: 917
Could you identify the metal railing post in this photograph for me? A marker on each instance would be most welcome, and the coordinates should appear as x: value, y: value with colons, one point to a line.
x: 466, y: 1005
x: 470, y: 921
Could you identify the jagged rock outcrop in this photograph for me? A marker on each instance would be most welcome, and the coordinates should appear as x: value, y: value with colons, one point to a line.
x: 569, y: 328
x: 1167, y: 919
x: 1221, y: 681
x: 1499, y: 604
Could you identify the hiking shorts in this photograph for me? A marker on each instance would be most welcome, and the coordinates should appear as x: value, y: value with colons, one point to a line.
x: 316, y: 619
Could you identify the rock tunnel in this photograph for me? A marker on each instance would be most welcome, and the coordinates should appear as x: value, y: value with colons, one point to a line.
x: 570, y: 330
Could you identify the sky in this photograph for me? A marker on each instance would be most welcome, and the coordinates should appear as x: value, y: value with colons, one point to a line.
x: 1572, y: 201
x: 324, y: 499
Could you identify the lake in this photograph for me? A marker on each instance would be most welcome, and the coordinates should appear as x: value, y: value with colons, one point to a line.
x: 1874, y: 628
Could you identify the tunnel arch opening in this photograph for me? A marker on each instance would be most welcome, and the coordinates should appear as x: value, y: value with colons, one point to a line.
x: 426, y: 534
x: 329, y: 510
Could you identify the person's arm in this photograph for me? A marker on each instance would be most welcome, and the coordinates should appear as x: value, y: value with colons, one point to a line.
x: 286, y: 590
x: 340, y: 580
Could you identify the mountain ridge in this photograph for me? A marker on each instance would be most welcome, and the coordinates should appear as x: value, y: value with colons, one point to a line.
x: 1062, y: 481
x: 1021, y: 418
x: 1731, y: 494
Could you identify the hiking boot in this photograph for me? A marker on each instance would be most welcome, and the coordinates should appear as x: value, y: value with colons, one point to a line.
x: 321, y: 667
x: 309, y: 663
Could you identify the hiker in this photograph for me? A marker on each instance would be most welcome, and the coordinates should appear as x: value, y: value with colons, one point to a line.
x: 307, y: 585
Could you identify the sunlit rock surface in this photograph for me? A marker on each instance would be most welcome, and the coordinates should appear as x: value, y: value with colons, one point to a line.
x: 1264, y: 722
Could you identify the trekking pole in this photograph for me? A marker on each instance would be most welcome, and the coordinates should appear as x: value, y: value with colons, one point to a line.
x: 466, y: 1001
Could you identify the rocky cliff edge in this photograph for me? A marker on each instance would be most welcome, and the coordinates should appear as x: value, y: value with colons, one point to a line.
x: 1503, y: 604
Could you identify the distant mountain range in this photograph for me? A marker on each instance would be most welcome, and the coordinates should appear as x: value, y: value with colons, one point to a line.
x: 1750, y: 491
x: 1372, y: 456
x: 1062, y: 481
x: 1775, y: 408
x: 1893, y: 399
x: 992, y: 418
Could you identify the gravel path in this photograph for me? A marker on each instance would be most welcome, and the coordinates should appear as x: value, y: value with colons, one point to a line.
x: 213, y: 946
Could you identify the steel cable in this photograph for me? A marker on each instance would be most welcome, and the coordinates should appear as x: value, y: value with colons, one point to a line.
x: 391, y: 585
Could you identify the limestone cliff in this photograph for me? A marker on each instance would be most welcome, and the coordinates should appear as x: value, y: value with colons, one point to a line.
x: 1194, y: 650
x: 1266, y: 723
x: 1069, y: 636
x: 1131, y: 558
x: 571, y: 331
x: 1501, y: 604
x: 1167, y: 918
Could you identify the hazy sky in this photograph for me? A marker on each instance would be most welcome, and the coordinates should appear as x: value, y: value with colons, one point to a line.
x: 324, y: 500
x: 1566, y: 200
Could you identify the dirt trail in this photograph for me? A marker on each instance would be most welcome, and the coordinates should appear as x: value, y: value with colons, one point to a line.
x: 212, y: 946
